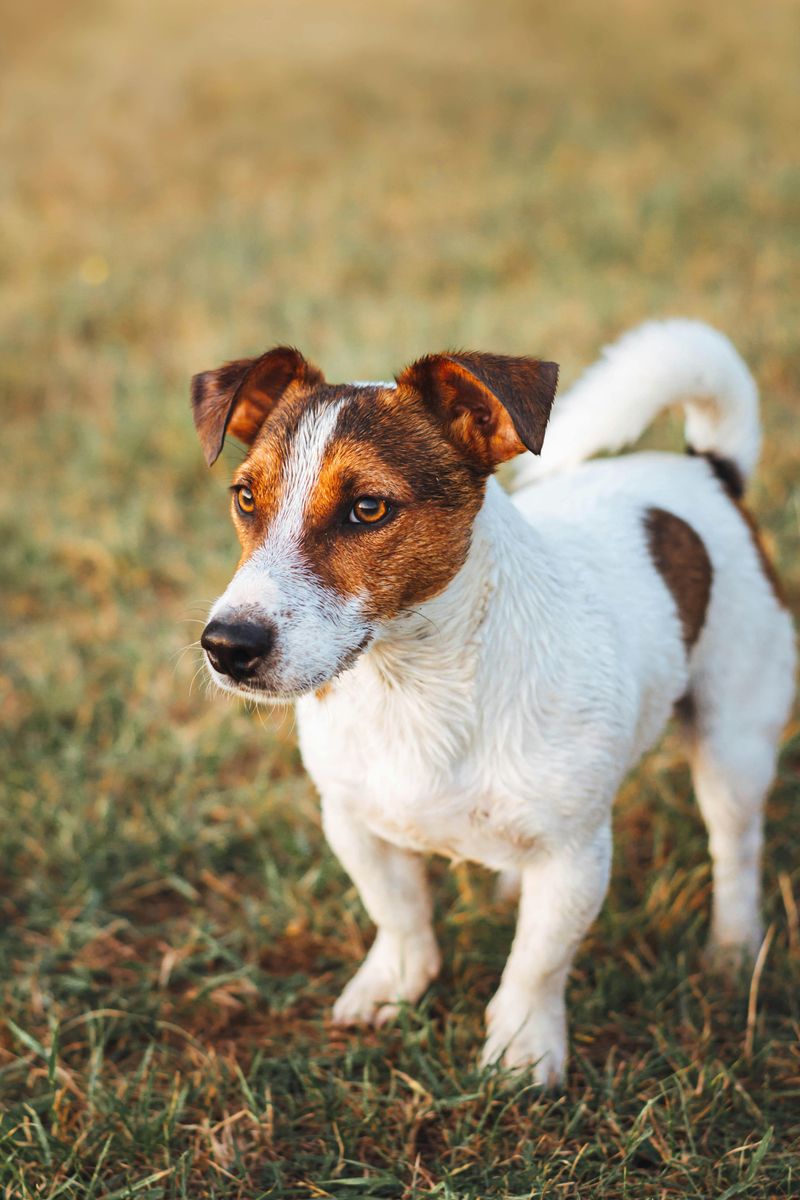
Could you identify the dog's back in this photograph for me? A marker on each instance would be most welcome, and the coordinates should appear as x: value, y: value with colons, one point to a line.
x: 642, y: 516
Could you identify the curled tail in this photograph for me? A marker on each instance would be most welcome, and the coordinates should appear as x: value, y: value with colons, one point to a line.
x: 653, y: 367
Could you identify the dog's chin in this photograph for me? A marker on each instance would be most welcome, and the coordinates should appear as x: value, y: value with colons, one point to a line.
x: 259, y: 692
x: 271, y: 691
x: 256, y: 694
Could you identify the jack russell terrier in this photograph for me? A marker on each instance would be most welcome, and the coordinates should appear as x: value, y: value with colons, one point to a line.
x: 476, y: 672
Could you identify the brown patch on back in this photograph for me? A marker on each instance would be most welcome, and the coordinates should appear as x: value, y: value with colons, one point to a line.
x: 682, y: 560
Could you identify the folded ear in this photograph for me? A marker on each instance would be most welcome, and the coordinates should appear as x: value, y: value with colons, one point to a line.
x: 238, y: 397
x: 494, y: 406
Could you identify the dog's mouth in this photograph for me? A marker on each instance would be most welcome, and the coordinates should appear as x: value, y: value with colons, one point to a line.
x: 277, y: 691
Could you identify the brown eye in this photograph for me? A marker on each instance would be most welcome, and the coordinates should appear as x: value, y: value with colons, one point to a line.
x: 245, y: 500
x: 369, y: 510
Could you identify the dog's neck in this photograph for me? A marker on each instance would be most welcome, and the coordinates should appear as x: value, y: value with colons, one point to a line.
x: 421, y: 685
x: 436, y: 644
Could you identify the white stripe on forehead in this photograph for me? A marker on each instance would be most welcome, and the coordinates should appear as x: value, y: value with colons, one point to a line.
x: 276, y: 580
x: 273, y: 570
x: 303, y: 465
x: 302, y: 469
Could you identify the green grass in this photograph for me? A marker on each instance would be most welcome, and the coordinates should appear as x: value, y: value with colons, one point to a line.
x: 183, y: 183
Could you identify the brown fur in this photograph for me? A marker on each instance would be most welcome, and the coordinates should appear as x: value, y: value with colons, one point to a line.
x: 238, y: 397
x: 725, y: 470
x: 767, y: 565
x: 686, y: 710
x: 682, y: 560
x: 734, y: 485
x: 427, y: 447
x: 385, y: 444
x: 732, y: 481
x: 494, y: 406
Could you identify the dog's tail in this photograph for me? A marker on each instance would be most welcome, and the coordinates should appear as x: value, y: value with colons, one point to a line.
x: 653, y: 367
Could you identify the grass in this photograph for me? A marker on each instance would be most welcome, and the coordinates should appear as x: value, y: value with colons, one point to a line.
x: 187, y: 182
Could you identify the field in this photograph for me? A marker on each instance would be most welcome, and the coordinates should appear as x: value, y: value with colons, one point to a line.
x: 182, y: 183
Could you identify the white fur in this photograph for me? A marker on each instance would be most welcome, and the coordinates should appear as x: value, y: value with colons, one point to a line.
x: 496, y: 722
x: 316, y: 629
x: 655, y: 366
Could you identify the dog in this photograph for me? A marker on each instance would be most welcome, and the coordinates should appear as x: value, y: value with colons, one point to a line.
x: 475, y: 671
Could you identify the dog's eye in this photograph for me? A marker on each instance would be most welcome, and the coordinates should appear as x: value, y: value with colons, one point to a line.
x: 369, y: 510
x: 245, y: 500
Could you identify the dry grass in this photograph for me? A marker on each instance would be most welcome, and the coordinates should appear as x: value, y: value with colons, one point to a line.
x: 184, y: 182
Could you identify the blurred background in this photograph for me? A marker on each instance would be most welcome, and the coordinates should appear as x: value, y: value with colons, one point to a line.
x: 182, y: 183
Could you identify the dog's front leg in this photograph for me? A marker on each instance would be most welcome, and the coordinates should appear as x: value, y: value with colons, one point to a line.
x: 404, y: 957
x: 562, y: 891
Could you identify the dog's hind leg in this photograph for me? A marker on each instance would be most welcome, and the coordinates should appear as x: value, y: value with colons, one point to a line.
x: 392, y: 883
x: 733, y: 765
x: 562, y: 891
x: 739, y: 703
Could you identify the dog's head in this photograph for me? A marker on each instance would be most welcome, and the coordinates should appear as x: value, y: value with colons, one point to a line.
x: 355, y: 502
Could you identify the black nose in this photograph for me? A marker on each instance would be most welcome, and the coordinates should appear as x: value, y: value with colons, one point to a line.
x: 237, y: 649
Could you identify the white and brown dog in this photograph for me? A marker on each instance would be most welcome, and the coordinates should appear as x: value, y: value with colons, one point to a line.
x: 475, y: 672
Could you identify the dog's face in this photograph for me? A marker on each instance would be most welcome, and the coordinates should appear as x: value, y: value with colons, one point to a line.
x: 354, y: 504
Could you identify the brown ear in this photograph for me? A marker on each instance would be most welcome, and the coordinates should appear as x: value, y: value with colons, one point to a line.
x: 494, y: 406
x: 238, y: 397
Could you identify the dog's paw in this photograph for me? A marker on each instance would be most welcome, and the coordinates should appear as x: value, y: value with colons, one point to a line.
x: 397, y: 970
x: 521, y: 1036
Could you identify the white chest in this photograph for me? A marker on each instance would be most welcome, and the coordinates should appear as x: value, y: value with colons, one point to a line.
x: 502, y: 720
x: 409, y: 791
x: 437, y: 772
x: 409, y: 768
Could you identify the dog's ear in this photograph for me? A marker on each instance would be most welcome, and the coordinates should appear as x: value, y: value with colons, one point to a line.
x: 238, y: 397
x: 492, y: 405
